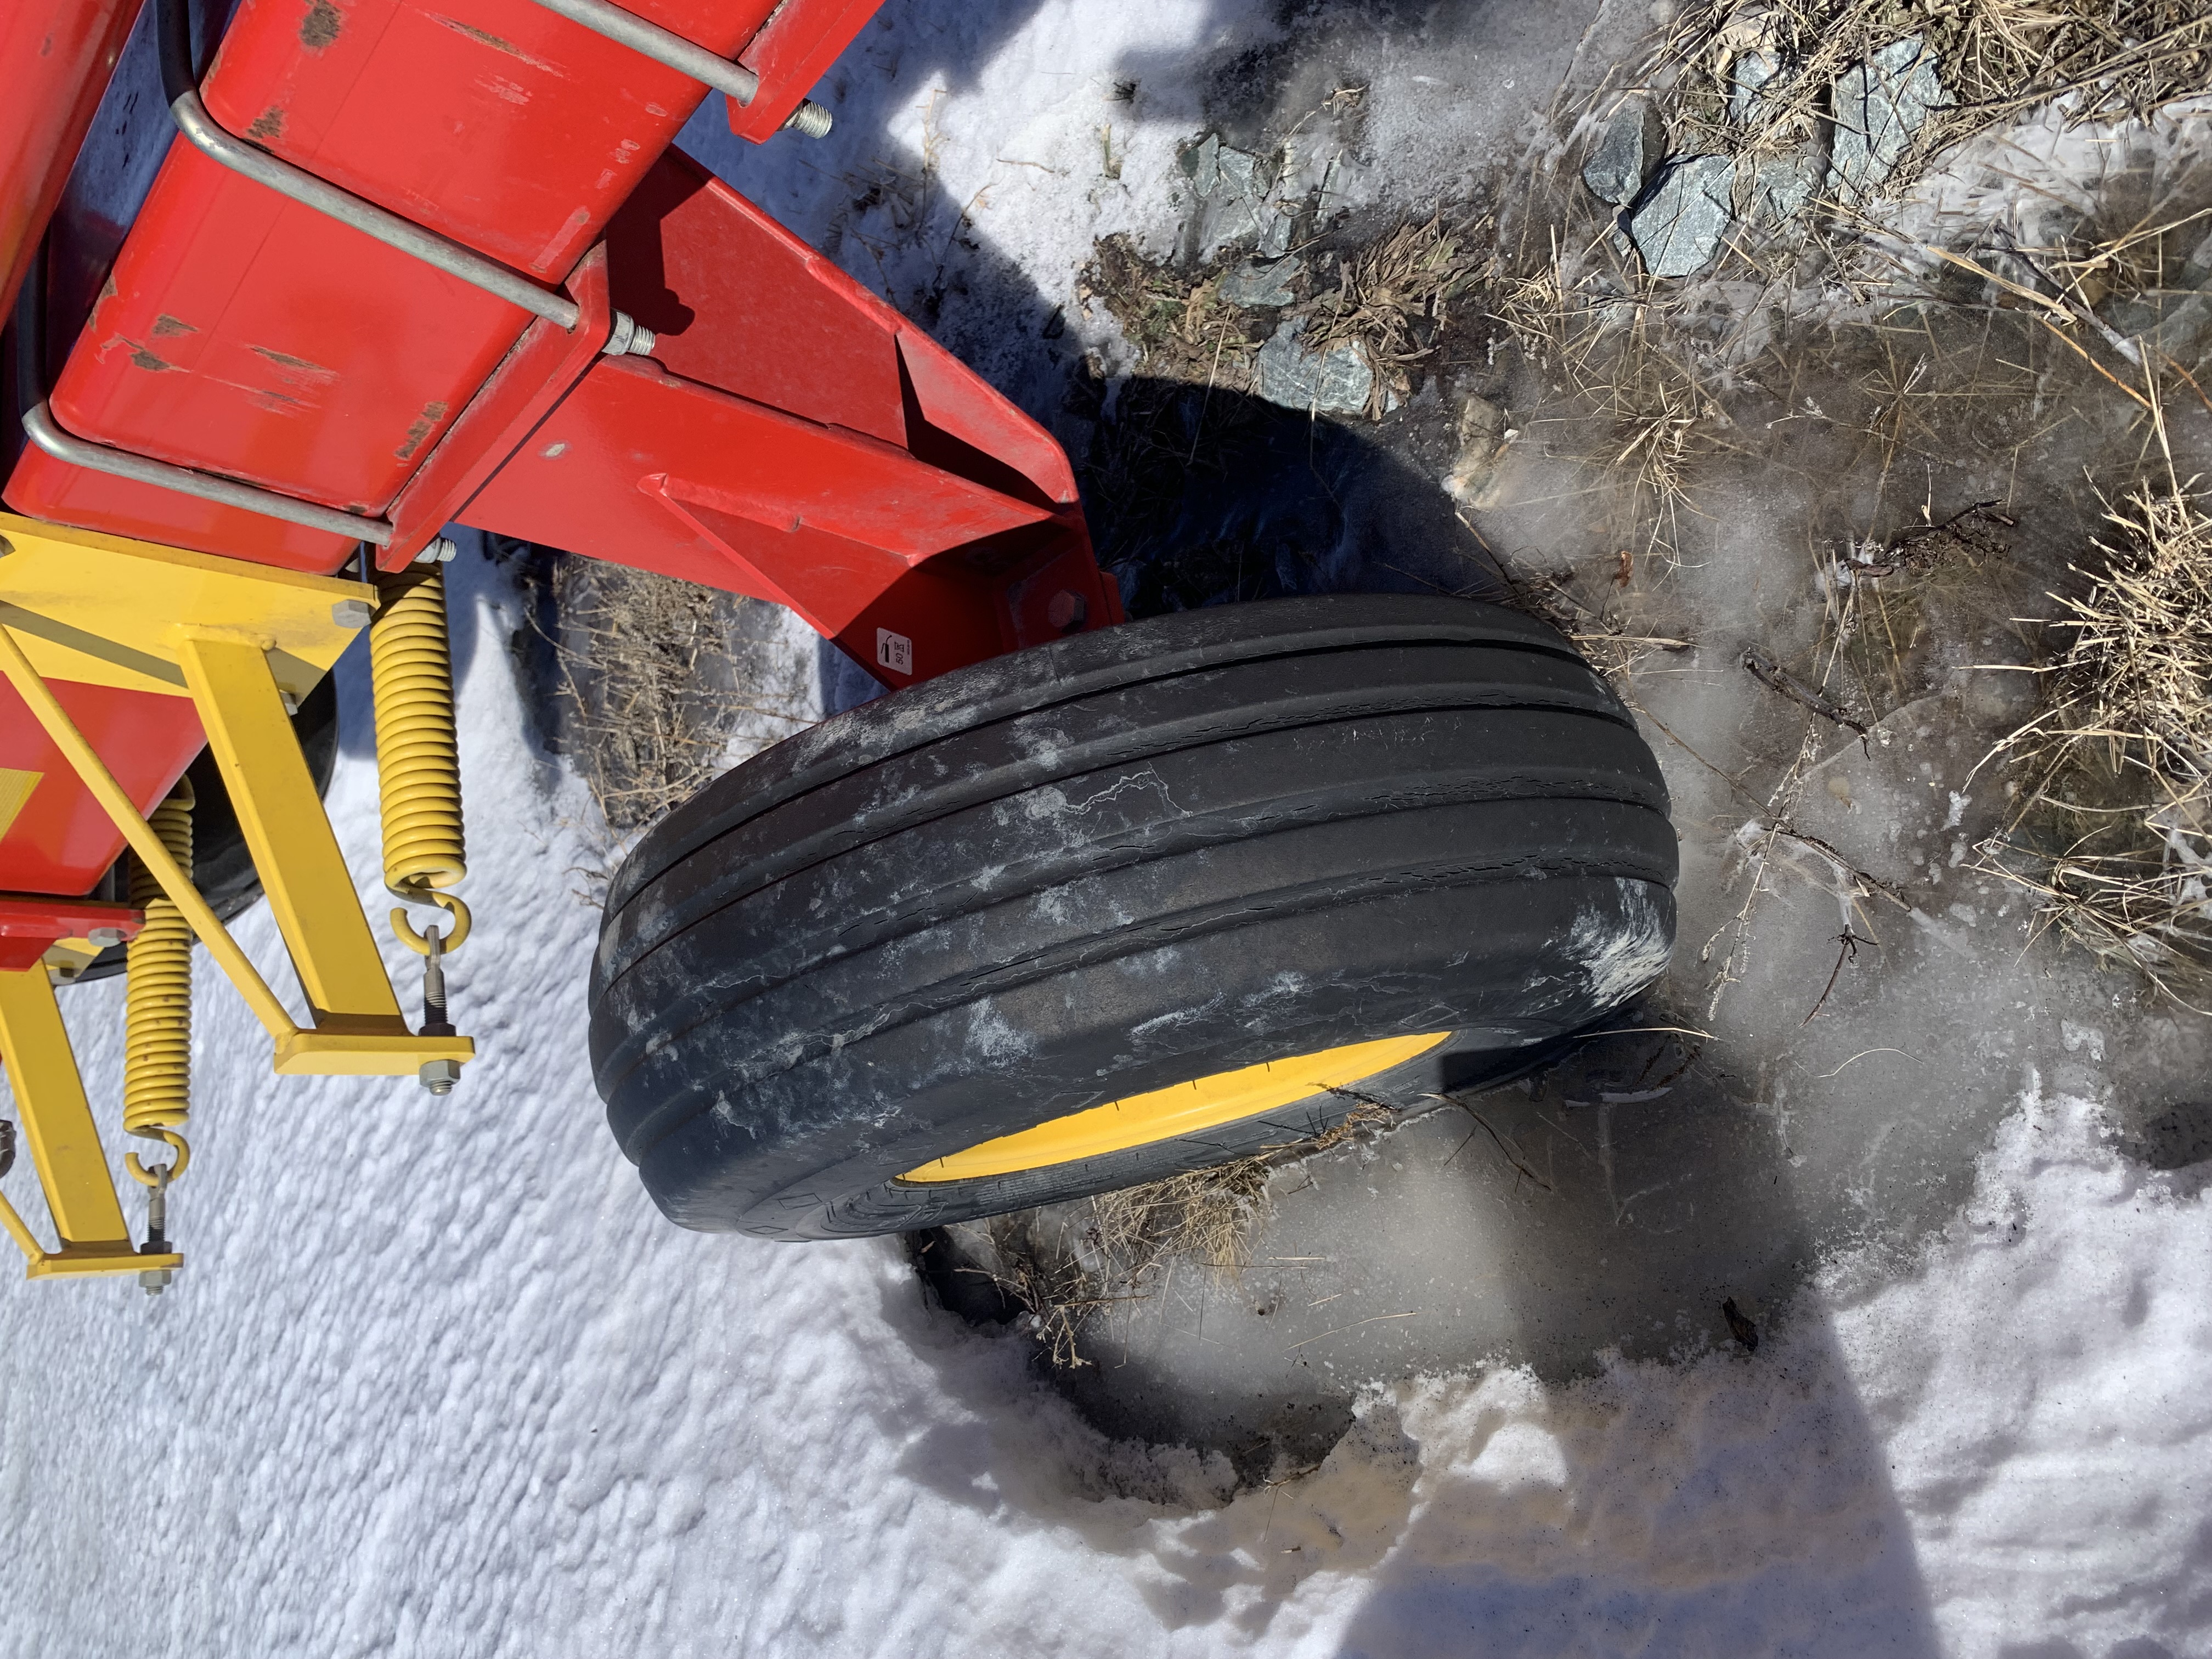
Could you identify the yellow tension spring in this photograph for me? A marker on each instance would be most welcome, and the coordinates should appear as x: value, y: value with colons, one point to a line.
x: 417, y: 755
x: 157, y: 1007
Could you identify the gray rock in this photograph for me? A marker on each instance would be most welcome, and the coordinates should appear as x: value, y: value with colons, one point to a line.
x: 1749, y: 75
x: 1215, y: 170
x: 1261, y: 284
x: 1627, y: 151
x: 1276, y: 220
x: 1337, y: 186
x: 1204, y: 164
x: 1880, y: 106
x: 1239, y: 175
x: 1780, y: 185
x: 1679, y: 226
x: 1334, y: 382
x: 1483, y: 435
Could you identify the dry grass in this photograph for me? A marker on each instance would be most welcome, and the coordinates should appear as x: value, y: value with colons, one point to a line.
x: 1123, y: 1246
x: 646, y: 706
x: 2116, y: 768
x: 1182, y: 327
x: 1392, y: 300
x: 2117, y: 58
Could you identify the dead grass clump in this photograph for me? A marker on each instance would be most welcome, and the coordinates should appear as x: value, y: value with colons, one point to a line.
x: 1391, y: 301
x: 1628, y: 379
x: 642, y: 679
x: 2117, y: 763
x: 1182, y: 327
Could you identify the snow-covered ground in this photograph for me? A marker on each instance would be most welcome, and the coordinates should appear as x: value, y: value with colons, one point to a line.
x: 439, y: 1381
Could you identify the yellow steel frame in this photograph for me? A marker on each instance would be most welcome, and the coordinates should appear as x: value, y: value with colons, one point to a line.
x: 64, y: 1144
x: 242, y: 641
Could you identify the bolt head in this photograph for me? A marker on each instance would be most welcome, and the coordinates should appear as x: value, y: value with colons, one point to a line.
x: 1067, y: 611
x: 351, y: 613
x: 106, y: 937
x: 439, y: 1076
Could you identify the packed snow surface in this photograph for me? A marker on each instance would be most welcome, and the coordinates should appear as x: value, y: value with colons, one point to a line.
x: 437, y: 1379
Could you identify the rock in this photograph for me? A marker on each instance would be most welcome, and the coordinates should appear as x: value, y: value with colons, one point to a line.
x: 1216, y: 170
x: 1239, y: 173
x: 1256, y: 285
x: 1276, y: 220
x: 1881, y: 105
x: 1339, y: 185
x: 1630, y: 146
x: 1678, y: 225
x: 1483, y: 436
x: 1203, y: 165
x: 1334, y: 382
x: 1753, y: 69
x: 1780, y: 185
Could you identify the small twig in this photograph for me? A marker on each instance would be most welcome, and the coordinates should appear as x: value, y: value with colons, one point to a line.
x: 1861, y: 1054
x: 1775, y: 677
x: 1354, y: 1326
x: 1851, y: 943
x: 1506, y: 1151
x: 2075, y: 346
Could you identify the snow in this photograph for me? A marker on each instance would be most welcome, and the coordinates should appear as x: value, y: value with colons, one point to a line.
x: 437, y: 1379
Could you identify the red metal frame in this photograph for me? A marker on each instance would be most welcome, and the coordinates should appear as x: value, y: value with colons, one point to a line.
x: 32, y: 924
x: 61, y: 841
x: 792, y: 437
x: 58, y: 58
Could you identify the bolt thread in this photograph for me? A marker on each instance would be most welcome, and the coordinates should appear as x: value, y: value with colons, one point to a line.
x: 809, y: 121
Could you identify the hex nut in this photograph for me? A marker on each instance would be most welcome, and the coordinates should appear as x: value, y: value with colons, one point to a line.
x: 106, y: 937
x: 351, y: 613
x: 439, y: 1076
x: 1067, y: 611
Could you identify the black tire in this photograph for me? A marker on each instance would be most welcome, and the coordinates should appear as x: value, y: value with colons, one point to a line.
x: 1112, y: 864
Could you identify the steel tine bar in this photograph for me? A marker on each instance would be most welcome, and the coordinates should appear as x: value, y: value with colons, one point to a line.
x: 40, y: 427
x: 180, y: 85
x: 686, y: 57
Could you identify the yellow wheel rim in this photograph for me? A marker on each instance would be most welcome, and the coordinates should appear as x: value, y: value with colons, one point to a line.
x: 1184, y: 1109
